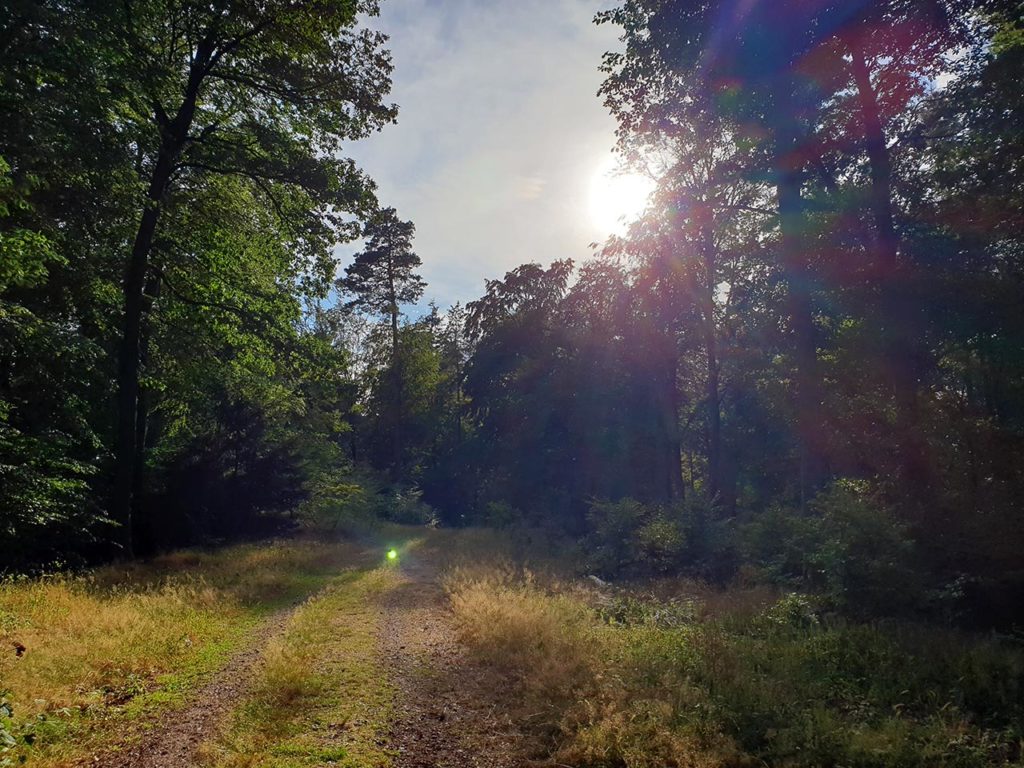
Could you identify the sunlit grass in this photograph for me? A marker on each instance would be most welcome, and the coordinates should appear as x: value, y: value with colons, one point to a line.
x: 678, y: 684
x: 114, y: 646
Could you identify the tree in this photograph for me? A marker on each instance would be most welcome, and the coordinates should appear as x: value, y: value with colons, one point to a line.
x: 267, y: 93
x: 381, y: 279
x: 737, y: 64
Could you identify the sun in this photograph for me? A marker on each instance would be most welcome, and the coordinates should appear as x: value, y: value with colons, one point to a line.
x: 617, y: 199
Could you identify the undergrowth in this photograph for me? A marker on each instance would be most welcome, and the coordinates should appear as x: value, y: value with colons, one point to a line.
x: 626, y: 680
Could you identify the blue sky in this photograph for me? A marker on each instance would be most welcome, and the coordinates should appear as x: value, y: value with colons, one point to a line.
x: 499, y: 137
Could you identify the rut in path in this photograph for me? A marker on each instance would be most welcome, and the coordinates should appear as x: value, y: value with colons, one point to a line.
x: 175, y: 738
x: 448, y: 713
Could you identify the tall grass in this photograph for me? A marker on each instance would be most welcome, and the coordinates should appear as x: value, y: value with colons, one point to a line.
x: 630, y: 682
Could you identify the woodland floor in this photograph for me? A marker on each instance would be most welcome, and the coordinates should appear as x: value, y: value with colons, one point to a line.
x: 446, y: 711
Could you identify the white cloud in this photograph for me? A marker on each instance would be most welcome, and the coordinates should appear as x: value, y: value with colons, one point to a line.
x: 498, y: 135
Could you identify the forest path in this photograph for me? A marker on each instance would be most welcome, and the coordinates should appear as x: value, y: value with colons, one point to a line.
x: 449, y: 711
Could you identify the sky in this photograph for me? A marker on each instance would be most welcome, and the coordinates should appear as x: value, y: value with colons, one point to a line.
x: 501, y: 137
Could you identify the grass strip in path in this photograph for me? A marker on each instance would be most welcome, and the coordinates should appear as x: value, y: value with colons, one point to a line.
x: 320, y: 695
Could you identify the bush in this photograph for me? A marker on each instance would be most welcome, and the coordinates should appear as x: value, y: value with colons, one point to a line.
x: 631, y: 538
x: 850, y: 549
x: 498, y: 514
x: 405, y: 505
x: 7, y: 740
x: 357, y: 500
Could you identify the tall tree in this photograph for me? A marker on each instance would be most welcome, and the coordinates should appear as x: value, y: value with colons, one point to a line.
x: 381, y: 279
x: 266, y: 92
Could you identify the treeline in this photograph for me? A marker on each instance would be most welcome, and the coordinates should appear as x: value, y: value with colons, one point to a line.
x: 805, y: 357
x: 805, y: 360
x: 172, y: 190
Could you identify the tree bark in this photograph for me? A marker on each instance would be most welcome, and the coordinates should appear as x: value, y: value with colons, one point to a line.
x: 670, y: 453
x: 174, y: 134
x: 711, y: 353
x: 126, y: 453
x: 879, y: 164
x: 396, y: 375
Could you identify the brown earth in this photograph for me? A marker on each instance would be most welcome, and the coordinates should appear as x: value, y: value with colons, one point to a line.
x: 449, y: 711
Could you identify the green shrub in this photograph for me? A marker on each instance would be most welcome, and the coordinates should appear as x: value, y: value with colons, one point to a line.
x: 636, y: 611
x: 611, y: 544
x: 628, y: 537
x: 498, y: 514
x: 850, y: 549
x: 7, y: 740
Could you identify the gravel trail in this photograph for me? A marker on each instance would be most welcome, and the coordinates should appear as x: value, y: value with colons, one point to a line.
x: 449, y: 712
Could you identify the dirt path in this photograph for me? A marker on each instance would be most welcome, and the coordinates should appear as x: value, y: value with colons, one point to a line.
x: 448, y: 713
x: 172, y: 741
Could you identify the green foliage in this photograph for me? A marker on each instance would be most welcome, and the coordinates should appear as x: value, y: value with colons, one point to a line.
x: 382, y: 277
x: 850, y: 549
x: 48, y: 448
x: 355, y: 500
x: 630, y: 537
x: 793, y: 610
x: 630, y: 610
x: 7, y: 739
x: 203, y: 115
x: 405, y: 505
x: 25, y: 255
x: 498, y: 514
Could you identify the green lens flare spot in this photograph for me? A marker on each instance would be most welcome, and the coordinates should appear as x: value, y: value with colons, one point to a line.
x: 392, y: 554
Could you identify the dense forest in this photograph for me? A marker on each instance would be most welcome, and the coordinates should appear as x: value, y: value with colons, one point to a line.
x: 804, y: 362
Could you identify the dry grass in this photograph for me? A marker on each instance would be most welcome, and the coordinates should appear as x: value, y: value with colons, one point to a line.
x: 124, y: 641
x: 86, y: 647
x: 507, y: 620
x: 750, y: 680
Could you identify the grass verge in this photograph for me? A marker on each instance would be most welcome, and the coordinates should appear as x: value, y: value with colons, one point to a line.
x: 105, y: 650
x: 618, y: 680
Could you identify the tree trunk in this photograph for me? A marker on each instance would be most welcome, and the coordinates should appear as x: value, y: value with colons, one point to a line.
x: 880, y: 166
x: 126, y: 452
x: 672, y: 449
x: 711, y: 352
x: 396, y: 377
x: 174, y: 134
x: 810, y: 422
x: 897, y: 318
